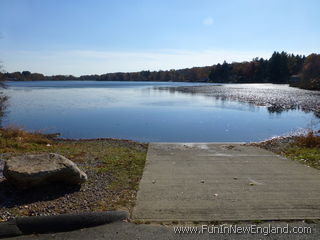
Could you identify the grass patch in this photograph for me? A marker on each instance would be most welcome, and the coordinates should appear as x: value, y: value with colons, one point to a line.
x: 305, y: 149
x: 125, y: 166
x: 308, y: 156
x: 16, y: 140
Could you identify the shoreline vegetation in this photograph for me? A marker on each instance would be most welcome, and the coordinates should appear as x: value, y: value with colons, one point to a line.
x: 114, y: 168
x: 282, y: 68
x: 302, y: 148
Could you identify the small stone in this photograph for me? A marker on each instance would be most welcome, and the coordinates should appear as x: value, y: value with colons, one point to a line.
x: 216, y: 194
x: 153, y: 181
x: 202, y: 181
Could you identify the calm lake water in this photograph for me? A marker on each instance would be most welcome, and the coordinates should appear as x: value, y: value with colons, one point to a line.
x: 139, y: 111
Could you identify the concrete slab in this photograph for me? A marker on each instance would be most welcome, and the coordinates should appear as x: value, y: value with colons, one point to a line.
x: 224, y: 181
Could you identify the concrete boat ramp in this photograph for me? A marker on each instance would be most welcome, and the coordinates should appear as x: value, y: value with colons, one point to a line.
x: 222, y: 182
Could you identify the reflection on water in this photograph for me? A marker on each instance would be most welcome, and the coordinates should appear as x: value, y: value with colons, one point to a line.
x: 141, y: 111
x: 227, y: 99
x: 3, y: 106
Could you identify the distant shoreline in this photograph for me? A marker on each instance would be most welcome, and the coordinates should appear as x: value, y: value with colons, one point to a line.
x: 281, y: 68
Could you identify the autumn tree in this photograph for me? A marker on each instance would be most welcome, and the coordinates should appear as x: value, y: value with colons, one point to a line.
x: 310, y: 74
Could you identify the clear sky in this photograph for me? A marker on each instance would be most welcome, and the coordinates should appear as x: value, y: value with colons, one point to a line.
x: 98, y: 36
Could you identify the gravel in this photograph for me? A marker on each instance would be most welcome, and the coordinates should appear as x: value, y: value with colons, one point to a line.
x: 276, y: 145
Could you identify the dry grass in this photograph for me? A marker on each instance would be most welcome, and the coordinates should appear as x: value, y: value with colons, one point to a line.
x: 309, y: 141
x: 304, y: 148
x: 13, y: 139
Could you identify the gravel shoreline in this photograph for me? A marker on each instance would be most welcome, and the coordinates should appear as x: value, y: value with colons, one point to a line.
x: 276, y: 145
x: 276, y: 98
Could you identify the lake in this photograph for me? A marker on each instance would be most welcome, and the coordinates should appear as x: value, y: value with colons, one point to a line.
x: 140, y: 111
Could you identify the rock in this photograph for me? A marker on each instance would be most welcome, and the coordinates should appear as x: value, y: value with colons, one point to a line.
x: 28, y: 170
x: 1, y: 167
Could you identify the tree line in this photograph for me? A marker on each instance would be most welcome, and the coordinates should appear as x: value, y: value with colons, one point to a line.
x: 279, y: 68
x: 195, y: 74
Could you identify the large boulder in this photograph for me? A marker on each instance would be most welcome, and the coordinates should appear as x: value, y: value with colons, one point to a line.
x: 28, y: 170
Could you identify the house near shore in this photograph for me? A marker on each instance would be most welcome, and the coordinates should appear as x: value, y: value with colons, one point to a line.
x: 294, y: 79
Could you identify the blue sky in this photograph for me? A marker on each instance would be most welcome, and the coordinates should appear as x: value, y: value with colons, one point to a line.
x: 98, y: 36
